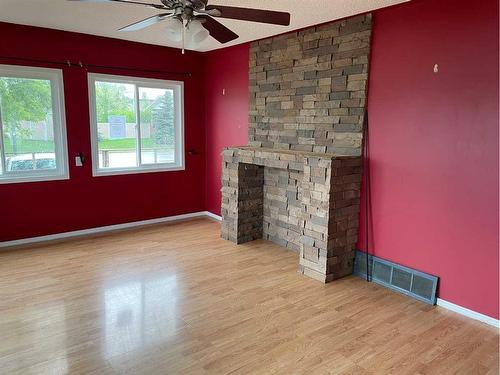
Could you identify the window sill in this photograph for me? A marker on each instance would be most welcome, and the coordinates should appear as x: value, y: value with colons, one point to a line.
x: 125, y: 171
x: 41, y: 178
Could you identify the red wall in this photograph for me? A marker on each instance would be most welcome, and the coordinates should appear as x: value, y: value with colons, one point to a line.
x: 226, y: 115
x: 41, y: 208
x: 434, y: 145
x: 433, y: 139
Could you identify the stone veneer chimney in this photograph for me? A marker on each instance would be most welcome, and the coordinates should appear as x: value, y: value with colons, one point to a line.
x: 298, y: 181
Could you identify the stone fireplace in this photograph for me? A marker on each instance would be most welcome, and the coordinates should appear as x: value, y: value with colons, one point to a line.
x: 297, y: 183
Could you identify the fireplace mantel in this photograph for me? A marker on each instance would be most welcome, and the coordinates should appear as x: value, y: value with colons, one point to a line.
x: 276, y: 158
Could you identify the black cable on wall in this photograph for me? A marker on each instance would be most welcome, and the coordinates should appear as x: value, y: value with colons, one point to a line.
x: 366, y: 160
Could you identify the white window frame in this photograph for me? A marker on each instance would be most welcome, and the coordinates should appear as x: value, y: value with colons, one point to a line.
x: 61, y: 172
x: 178, y: 89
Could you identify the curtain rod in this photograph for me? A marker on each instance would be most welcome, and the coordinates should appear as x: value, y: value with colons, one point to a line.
x: 79, y: 64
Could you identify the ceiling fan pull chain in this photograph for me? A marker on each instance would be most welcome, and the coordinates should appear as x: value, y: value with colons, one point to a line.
x: 183, y: 36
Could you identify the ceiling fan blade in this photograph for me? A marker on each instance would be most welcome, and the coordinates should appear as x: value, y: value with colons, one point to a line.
x: 145, y: 22
x: 156, y: 6
x: 255, y: 15
x: 217, y: 30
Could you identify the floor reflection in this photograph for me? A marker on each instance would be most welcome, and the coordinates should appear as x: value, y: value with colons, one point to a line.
x: 139, y: 314
x: 44, y: 328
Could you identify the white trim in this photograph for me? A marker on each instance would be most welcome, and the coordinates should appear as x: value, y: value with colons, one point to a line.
x: 55, y: 76
x: 108, y: 228
x: 138, y: 82
x: 135, y: 170
x: 213, y: 216
x: 34, y: 178
x: 468, y: 313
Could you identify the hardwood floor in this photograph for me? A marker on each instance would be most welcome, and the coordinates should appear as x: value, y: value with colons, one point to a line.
x: 176, y: 299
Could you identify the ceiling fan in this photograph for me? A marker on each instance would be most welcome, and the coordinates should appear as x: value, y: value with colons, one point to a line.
x: 196, y: 18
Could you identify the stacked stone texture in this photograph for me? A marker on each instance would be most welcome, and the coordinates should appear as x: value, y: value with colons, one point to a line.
x: 298, y: 181
x: 307, y: 88
x: 282, y: 207
x: 242, y: 200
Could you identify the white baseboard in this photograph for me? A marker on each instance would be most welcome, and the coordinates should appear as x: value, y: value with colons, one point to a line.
x: 468, y: 313
x: 108, y: 228
x: 213, y: 216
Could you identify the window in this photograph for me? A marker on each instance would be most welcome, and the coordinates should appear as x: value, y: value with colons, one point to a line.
x: 136, y: 124
x: 32, y: 125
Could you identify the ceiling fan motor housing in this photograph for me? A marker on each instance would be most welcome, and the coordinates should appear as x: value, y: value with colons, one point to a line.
x: 197, y: 4
x: 193, y: 4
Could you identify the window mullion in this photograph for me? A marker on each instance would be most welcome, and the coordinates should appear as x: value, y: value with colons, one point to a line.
x: 138, y: 126
x: 2, y: 146
x: 56, y: 126
x: 177, y: 126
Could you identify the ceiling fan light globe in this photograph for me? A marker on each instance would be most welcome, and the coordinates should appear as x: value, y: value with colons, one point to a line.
x: 174, y: 30
x: 174, y: 37
x: 196, y: 33
x: 200, y: 36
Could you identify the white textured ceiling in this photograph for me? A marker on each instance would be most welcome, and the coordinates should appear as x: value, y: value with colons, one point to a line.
x: 105, y: 19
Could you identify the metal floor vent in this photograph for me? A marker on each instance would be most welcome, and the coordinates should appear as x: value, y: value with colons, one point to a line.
x: 402, y: 279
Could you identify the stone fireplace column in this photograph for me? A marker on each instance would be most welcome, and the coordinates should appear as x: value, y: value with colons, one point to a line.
x: 331, y: 190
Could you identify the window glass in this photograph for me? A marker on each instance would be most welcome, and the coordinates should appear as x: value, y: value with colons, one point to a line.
x: 137, y: 124
x: 116, y: 119
x: 32, y: 144
x: 157, y: 125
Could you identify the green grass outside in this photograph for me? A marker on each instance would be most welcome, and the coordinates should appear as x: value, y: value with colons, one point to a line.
x: 124, y: 144
x: 129, y: 144
x: 27, y: 146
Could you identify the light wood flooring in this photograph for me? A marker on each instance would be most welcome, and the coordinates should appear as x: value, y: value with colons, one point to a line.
x: 177, y: 299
